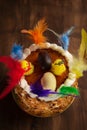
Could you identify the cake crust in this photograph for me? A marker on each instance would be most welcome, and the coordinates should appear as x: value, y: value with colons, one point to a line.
x: 36, y: 107
x: 39, y: 107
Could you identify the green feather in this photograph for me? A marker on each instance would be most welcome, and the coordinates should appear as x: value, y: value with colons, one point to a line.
x: 69, y: 90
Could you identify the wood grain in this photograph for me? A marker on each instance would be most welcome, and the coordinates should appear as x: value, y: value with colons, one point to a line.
x: 60, y: 15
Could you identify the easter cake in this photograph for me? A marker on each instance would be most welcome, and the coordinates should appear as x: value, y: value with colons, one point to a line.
x: 40, y: 92
x: 44, y: 77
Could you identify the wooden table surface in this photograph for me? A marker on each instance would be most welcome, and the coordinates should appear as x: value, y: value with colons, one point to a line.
x: 60, y: 15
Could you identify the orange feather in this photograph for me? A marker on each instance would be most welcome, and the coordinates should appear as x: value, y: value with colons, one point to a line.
x: 37, y: 33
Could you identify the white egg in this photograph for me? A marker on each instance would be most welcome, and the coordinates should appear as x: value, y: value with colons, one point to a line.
x: 48, y: 81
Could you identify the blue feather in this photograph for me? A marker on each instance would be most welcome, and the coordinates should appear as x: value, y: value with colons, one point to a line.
x: 17, y: 52
x: 65, y: 37
x: 65, y: 41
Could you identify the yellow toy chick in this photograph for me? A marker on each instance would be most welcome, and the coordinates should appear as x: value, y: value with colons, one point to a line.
x: 58, y: 67
x: 27, y: 66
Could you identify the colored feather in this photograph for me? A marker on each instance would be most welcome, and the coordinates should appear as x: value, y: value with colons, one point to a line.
x: 37, y: 33
x: 3, y: 76
x: 64, y: 38
x: 69, y: 90
x: 17, y: 52
x: 80, y: 64
x: 37, y: 88
x: 65, y: 41
x: 83, y: 46
x: 15, y: 73
x: 78, y: 67
x: 69, y: 31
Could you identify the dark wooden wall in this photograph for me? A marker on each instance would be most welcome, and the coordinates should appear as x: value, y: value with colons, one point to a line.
x: 60, y: 15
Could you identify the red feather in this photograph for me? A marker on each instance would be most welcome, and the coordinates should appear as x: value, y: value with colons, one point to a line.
x: 15, y: 73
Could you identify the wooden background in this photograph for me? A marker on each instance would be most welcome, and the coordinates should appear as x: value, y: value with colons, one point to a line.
x: 60, y: 15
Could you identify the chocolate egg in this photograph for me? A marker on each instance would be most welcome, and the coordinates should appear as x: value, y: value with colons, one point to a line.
x: 48, y: 81
x: 44, y: 60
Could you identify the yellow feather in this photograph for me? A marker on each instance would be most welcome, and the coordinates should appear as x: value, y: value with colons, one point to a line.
x: 78, y: 67
x: 80, y: 63
x: 83, y: 46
